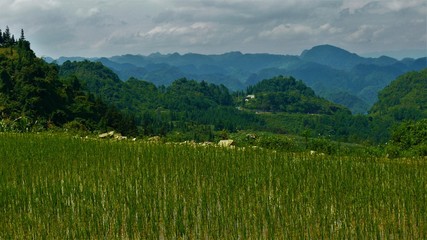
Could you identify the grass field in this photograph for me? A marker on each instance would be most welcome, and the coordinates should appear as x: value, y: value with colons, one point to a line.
x: 59, y: 187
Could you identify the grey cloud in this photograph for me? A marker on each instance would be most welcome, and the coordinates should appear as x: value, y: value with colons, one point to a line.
x: 102, y: 28
x: 383, y: 25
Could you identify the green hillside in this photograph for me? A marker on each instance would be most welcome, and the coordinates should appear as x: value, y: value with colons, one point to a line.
x: 192, y: 108
x: 404, y: 99
x: 285, y: 94
x: 32, y: 97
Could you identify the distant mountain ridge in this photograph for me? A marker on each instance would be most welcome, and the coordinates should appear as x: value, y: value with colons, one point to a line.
x: 332, y: 56
x: 341, y: 59
x: 334, y: 73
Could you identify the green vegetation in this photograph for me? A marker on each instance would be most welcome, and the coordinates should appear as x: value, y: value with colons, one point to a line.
x: 33, y: 98
x: 404, y: 99
x: 339, y: 127
x: 190, y: 110
x: 288, y: 95
x: 355, y: 104
x: 409, y: 139
x: 54, y: 186
x: 184, y: 106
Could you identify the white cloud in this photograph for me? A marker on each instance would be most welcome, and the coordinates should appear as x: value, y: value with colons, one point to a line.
x: 19, y: 5
x: 288, y: 31
x: 398, y: 5
x: 354, y: 5
x: 328, y: 28
x: 365, y: 33
x: 384, y: 6
x: 81, y: 12
x: 171, y: 30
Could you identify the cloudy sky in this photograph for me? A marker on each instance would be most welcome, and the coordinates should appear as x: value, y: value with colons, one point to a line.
x: 112, y: 27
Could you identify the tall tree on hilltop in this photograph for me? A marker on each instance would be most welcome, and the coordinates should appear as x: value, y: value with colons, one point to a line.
x: 6, y: 33
x: 6, y: 36
x: 22, y: 38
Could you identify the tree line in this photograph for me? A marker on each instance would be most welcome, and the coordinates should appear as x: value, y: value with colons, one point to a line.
x: 7, y: 39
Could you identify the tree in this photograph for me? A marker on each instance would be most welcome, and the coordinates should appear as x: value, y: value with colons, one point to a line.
x: 6, y: 36
x: 408, y: 139
x: 1, y: 38
x: 22, y: 38
x: 5, y: 81
x: 410, y: 134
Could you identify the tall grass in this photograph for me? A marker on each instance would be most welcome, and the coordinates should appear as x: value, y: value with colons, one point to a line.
x: 61, y: 187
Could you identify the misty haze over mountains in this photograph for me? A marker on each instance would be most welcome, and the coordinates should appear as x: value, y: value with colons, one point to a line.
x: 334, y: 73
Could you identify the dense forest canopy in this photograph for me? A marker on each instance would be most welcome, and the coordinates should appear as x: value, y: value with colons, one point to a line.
x: 285, y: 94
x: 405, y: 98
x: 182, y: 106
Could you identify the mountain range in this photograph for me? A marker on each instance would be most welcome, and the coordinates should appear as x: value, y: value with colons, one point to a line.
x: 88, y: 96
x: 333, y: 73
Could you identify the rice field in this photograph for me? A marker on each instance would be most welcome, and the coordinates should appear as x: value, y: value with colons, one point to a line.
x: 59, y: 187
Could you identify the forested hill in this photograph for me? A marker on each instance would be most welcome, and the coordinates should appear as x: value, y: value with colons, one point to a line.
x: 184, y: 106
x: 32, y: 97
x: 285, y: 94
x: 279, y: 94
x: 334, y: 73
x: 405, y: 98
